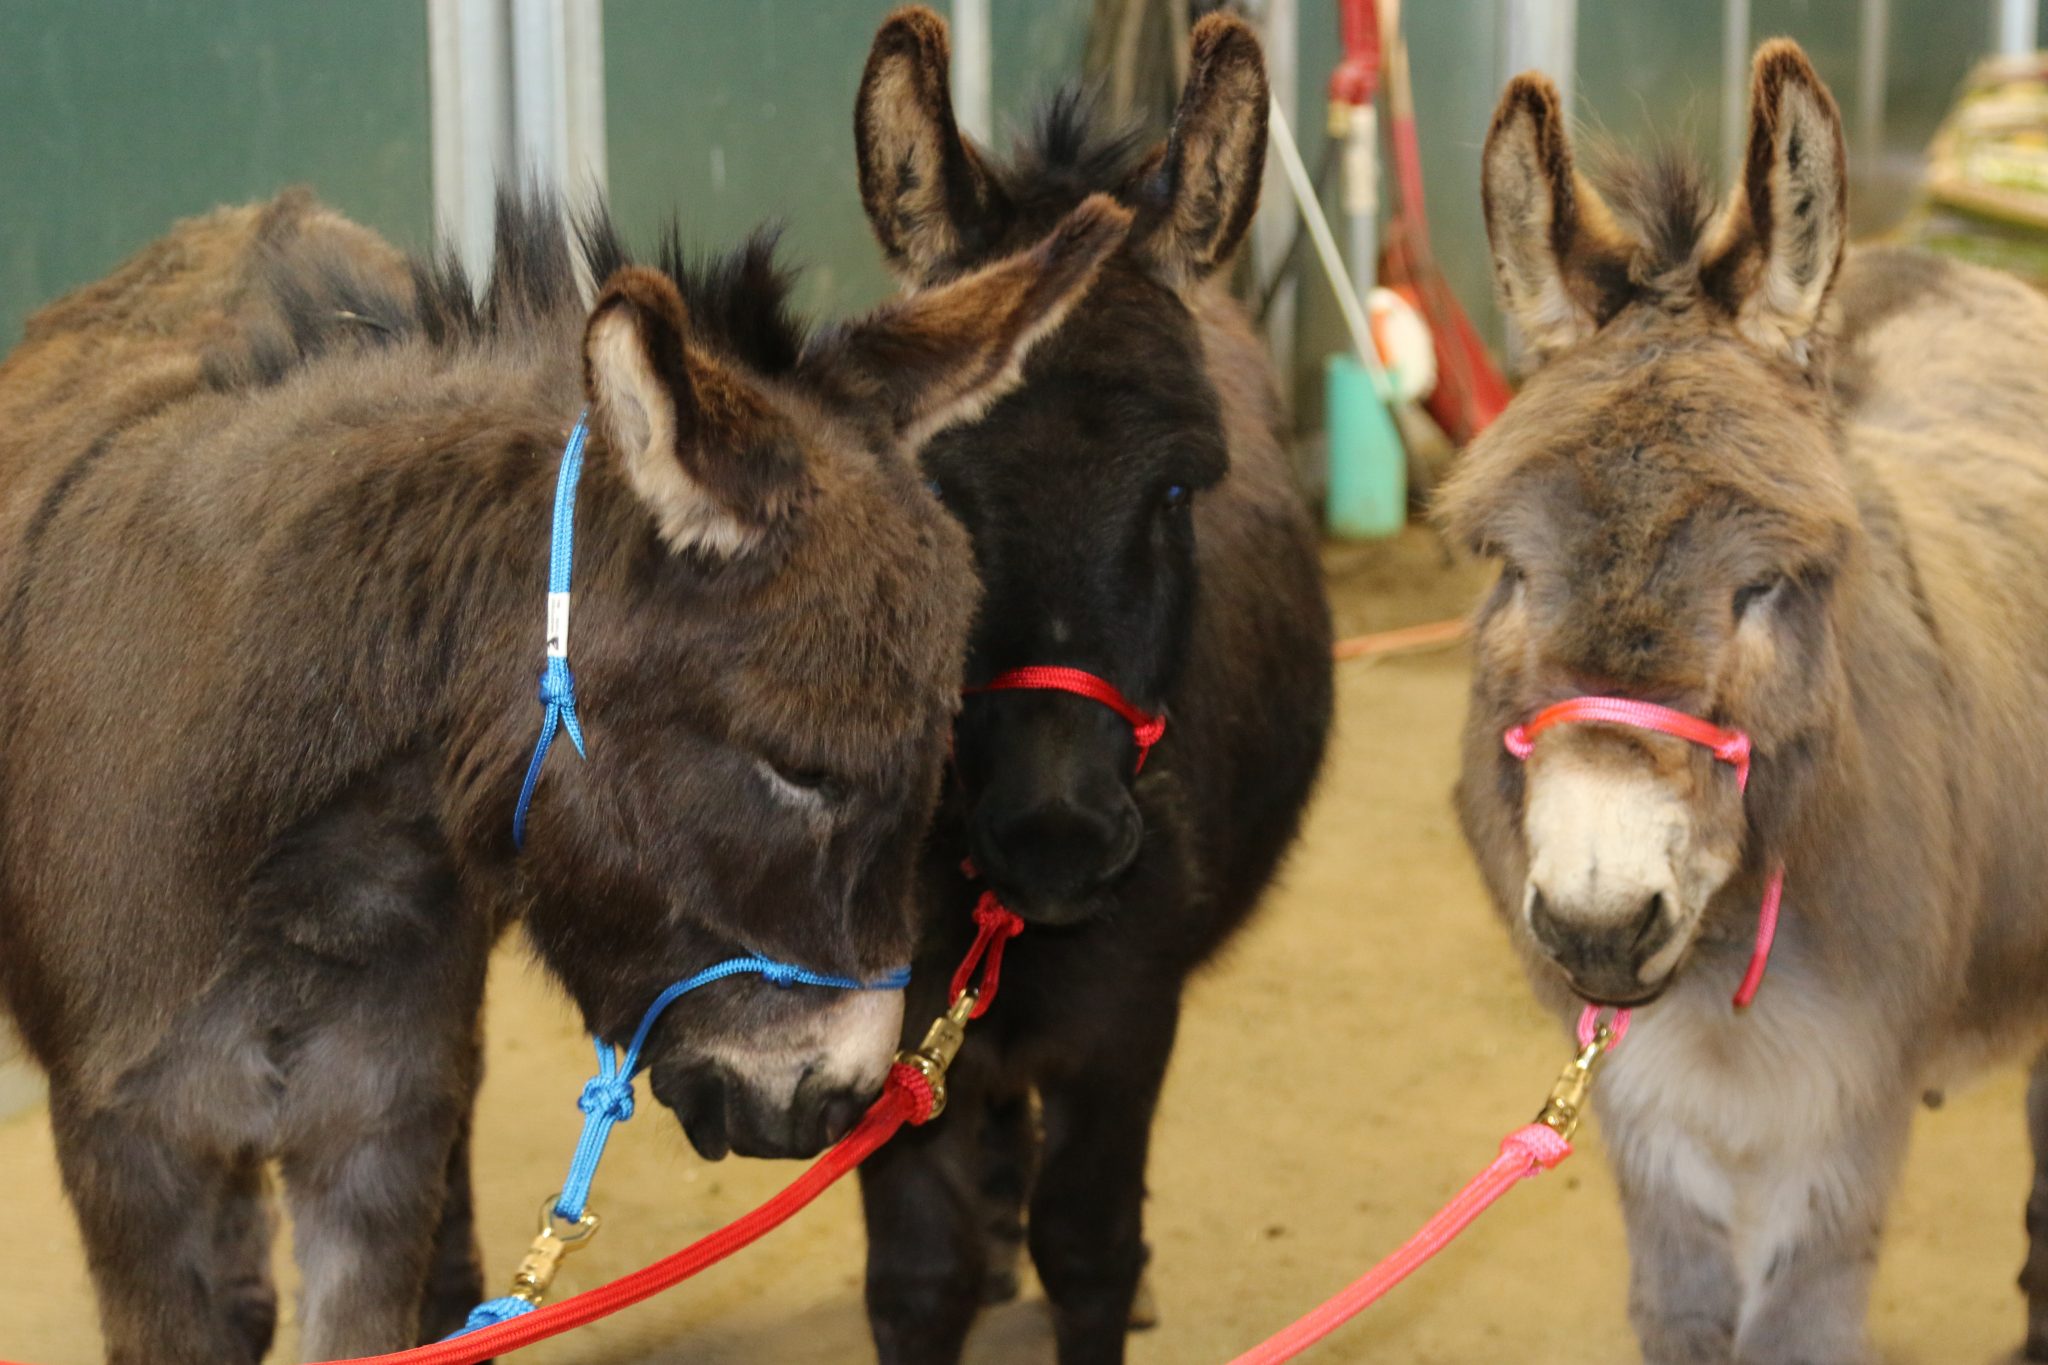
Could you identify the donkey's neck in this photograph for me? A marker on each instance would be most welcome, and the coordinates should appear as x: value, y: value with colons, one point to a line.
x: 410, y: 612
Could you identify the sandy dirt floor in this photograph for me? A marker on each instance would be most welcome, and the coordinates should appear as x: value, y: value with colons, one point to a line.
x: 1349, y: 1062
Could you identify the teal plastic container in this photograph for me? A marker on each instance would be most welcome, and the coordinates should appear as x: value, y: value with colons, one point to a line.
x: 1368, y: 492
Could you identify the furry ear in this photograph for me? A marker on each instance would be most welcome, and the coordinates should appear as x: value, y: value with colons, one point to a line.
x: 715, y: 464
x: 942, y: 355
x: 1773, y: 257
x: 1560, y: 263
x: 1199, y: 192
x: 930, y: 200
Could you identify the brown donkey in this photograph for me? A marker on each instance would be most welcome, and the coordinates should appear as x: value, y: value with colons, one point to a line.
x: 272, y: 643
x: 1799, y: 492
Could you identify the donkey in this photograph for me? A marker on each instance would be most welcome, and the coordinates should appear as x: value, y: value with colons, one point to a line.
x: 271, y: 648
x: 1133, y: 514
x: 1797, y: 491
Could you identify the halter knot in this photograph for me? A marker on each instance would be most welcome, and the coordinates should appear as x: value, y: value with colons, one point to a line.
x: 607, y: 1097
x: 558, y: 685
x: 781, y: 974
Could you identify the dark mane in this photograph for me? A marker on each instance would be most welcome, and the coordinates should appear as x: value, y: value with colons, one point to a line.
x: 1072, y: 150
x: 738, y: 301
x: 1663, y: 199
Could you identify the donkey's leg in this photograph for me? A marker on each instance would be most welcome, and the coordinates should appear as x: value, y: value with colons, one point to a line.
x: 1684, y: 1294
x: 1810, y: 1250
x: 455, y: 1276
x: 2034, y: 1277
x: 379, y: 1096
x: 148, y: 1209
x: 243, y: 1229
x: 926, y: 1262
x: 1087, y: 1213
x: 1009, y: 1157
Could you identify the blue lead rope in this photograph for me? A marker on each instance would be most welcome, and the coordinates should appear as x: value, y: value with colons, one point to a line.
x: 557, y: 684
x: 607, y: 1098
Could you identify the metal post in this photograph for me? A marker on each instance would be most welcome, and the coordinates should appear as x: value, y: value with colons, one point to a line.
x: 973, y: 70
x: 471, y: 114
x: 1542, y: 35
x: 2018, y: 28
x: 1274, y: 228
x: 1734, y: 81
x: 558, y: 92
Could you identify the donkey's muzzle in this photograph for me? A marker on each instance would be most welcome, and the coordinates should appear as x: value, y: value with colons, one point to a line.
x: 1050, y: 861
x: 722, y: 1114
x: 1606, y: 954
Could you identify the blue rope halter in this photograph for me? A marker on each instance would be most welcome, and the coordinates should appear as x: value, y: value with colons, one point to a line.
x: 557, y: 684
x: 607, y: 1098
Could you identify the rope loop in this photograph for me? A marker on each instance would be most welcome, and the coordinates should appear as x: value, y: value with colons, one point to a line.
x: 995, y: 925
x: 1539, y: 1144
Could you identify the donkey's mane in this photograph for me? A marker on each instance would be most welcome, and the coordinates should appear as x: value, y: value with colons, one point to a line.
x: 1072, y: 150
x: 1664, y: 199
x: 738, y: 301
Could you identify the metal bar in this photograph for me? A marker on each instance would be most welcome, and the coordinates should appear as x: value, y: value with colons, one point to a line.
x: 1274, y: 228
x: 2019, y: 31
x: 1873, y: 46
x: 471, y: 118
x: 1542, y: 35
x: 973, y: 70
x: 1734, y: 81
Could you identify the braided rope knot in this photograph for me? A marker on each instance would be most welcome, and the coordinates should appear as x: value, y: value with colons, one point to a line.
x: 781, y: 974
x: 558, y: 685
x: 608, y: 1097
x: 1539, y: 1144
x: 992, y: 916
x: 916, y: 1090
x: 492, y: 1312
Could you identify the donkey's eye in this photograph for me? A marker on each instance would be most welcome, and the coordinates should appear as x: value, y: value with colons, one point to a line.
x: 936, y: 489
x: 1175, y: 497
x: 1760, y: 591
x: 809, y: 784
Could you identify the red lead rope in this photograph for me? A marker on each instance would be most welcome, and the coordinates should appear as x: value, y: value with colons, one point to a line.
x: 906, y: 1099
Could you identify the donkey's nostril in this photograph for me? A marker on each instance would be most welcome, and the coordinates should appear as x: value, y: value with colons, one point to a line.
x: 1649, y: 925
x: 1549, y: 932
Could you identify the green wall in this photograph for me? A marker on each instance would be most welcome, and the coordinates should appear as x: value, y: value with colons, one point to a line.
x: 122, y: 115
x: 727, y: 115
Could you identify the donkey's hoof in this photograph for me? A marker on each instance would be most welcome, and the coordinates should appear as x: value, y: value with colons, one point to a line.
x: 1144, y: 1307
x: 1001, y: 1285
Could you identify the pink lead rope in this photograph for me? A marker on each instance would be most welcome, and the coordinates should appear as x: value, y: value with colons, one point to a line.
x: 1541, y: 1145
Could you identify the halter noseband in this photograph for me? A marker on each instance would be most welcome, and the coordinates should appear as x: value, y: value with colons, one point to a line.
x: 1146, y: 727
x: 1728, y: 746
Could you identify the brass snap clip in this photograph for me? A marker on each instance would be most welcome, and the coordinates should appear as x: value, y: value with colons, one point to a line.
x: 543, y: 1258
x: 940, y: 1046
x: 1566, y: 1106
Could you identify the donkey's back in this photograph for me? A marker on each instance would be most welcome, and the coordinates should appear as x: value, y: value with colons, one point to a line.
x: 1944, y: 372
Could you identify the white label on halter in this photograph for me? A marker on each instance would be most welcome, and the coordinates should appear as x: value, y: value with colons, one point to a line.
x: 558, y: 625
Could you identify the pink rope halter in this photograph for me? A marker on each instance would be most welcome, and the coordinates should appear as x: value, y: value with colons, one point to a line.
x: 1729, y: 746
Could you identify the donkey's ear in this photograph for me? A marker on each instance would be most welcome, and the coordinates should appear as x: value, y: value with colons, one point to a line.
x: 1560, y: 263
x: 1774, y: 254
x: 714, y: 463
x: 942, y: 355
x: 929, y: 198
x: 1199, y: 192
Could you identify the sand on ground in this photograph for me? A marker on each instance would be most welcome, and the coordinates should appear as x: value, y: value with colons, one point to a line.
x: 1348, y: 1063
